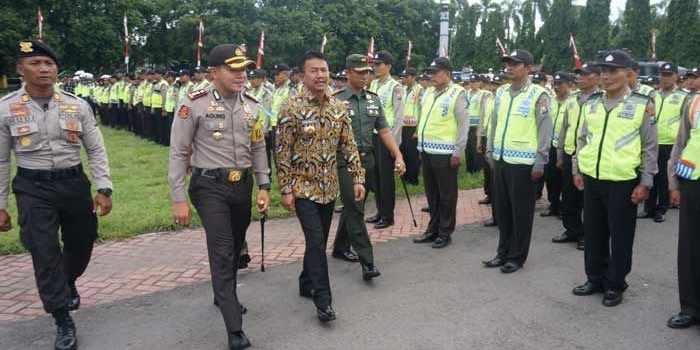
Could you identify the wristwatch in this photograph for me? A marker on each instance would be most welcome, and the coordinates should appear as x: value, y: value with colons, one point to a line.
x: 107, y: 192
x: 264, y: 187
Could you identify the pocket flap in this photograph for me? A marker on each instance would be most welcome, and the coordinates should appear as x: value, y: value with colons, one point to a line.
x: 24, y: 129
x: 71, y: 125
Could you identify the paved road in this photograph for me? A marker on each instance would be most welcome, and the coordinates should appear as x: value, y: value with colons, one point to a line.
x: 426, y: 299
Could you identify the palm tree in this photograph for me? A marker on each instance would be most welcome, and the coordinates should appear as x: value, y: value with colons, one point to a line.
x: 511, y: 14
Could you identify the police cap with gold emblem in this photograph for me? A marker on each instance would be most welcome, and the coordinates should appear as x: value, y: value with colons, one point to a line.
x: 230, y: 55
x: 357, y: 63
x: 31, y: 48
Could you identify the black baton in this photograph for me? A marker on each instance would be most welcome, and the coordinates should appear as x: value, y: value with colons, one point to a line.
x: 408, y: 198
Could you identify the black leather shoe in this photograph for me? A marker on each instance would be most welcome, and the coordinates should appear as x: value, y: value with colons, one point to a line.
x: 66, y: 336
x: 581, y: 245
x: 243, y: 261
x: 370, y: 271
x: 74, y: 303
x: 441, y: 242
x: 339, y: 209
x: 373, y: 219
x: 381, y: 224
x: 495, y: 262
x: 325, y: 314
x: 490, y: 223
x: 510, y: 267
x: 425, y: 209
x: 645, y: 215
x: 659, y: 217
x: 239, y: 341
x: 347, y: 255
x: 549, y: 212
x: 485, y: 200
x: 426, y: 237
x: 244, y: 310
x: 564, y: 238
x: 681, y: 321
x: 612, y: 298
x: 588, y: 288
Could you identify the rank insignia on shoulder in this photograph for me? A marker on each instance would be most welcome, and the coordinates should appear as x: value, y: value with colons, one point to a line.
x: 196, y: 94
x: 184, y: 112
x: 250, y: 97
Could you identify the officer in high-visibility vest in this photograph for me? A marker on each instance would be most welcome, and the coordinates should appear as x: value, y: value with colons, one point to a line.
x: 572, y: 198
x: 442, y: 137
x: 147, y: 99
x: 692, y: 83
x: 283, y: 91
x: 563, y: 101
x: 391, y: 96
x: 615, y: 162
x: 519, y: 141
x: 168, y: 108
x: 476, y: 95
x: 411, y: 111
x: 160, y: 88
x: 200, y: 81
x: 669, y: 100
x: 634, y: 84
x: 483, y: 132
x: 265, y: 98
x: 684, y: 188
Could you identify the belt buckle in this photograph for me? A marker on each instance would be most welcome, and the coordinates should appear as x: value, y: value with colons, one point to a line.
x: 234, y: 175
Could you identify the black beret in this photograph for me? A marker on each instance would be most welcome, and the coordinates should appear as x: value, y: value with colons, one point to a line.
x: 31, y: 48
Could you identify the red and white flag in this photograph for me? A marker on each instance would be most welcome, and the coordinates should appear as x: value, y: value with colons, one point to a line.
x: 261, y: 48
x: 408, y: 54
x: 500, y: 46
x: 323, y: 43
x: 653, y: 44
x: 40, y: 19
x: 126, y: 43
x: 443, y: 51
x: 577, y: 59
x: 370, y: 50
x: 199, y: 43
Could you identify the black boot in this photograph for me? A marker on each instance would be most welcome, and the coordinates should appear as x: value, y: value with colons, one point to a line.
x: 74, y: 303
x: 66, y: 337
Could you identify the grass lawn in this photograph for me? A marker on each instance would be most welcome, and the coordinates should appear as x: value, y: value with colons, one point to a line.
x: 141, y: 200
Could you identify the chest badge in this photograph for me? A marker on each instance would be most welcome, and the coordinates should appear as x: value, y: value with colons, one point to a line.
x: 73, y: 137
x: 25, y: 141
x: 217, y: 135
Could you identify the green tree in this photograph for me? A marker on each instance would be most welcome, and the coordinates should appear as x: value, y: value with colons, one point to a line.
x: 593, y: 28
x: 679, y: 39
x: 635, y: 29
x: 555, y: 32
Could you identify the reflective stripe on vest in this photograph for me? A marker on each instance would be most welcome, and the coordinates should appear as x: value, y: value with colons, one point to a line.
x: 668, y: 115
x: 156, y: 95
x: 410, y: 108
x: 386, y: 92
x: 475, y: 107
x: 690, y: 156
x: 278, y: 99
x: 147, y: 93
x: 515, y: 138
x: 574, y: 115
x: 560, y: 109
x: 438, y: 122
x: 613, y: 147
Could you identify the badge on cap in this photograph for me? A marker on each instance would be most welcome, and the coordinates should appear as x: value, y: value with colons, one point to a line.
x: 376, y: 55
x: 668, y: 66
x: 557, y: 76
x: 695, y: 69
x: 184, y: 112
x: 514, y: 54
x: 26, y: 46
x: 609, y: 58
x: 238, y: 52
x: 585, y: 65
x: 363, y: 59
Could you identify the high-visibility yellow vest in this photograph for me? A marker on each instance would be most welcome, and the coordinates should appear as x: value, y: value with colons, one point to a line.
x: 645, y: 90
x: 201, y: 85
x: 170, y: 97
x: 386, y: 94
x: 516, y: 136
x: 437, y: 128
x: 156, y: 96
x: 668, y: 115
x: 613, y: 149
x: 475, y: 102
x: 411, y: 106
x: 558, y: 111
x: 124, y: 96
x: 147, y: 94
x: 184, y: 89
x: 690, y: 155
x: 138, y: 93
x: 281, y: 95
x: 574, y: 115
x: 488, y: 113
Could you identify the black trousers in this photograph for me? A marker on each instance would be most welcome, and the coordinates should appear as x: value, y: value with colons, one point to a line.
x: 44, y: 206
x: 224, y: 209
x: 352, y: 230
x: 474, y: 160
x: 385, y: 195
x: 658, y: 196
x: 488, y: 172
x: 156, y: 116
x: 440, y: 182
x: 611, y: 220
x: 515, y: 192
x: 410, y: 153
x: 553, y: 181
x: 165, y: 123
x: 130, y: 119
x: 315, y: 220
x: 270, y: 147
x: 571, y: 201
x: 146, y: 121
x: 689, y: 248
x: 122, y: 119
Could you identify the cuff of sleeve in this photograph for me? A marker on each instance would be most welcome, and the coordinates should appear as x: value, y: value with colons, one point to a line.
x: 458, y: 152
x: 359, y: 180
x: 178, y: 197
x: 647, y: 180
x: 103, y: 184
x: 286, y: 190
x: 538, y: 167
x: 673, y: 183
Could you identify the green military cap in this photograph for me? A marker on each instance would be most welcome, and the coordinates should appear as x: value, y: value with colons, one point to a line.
x: 357, y: 63
x: 31, y: 48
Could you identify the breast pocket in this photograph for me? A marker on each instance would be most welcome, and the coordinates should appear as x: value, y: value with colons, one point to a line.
x: 216, y: 128
x: 26, y: 137
x: 71, y: 131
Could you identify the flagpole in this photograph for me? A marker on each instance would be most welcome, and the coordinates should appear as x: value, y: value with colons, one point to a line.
x: 126, y: 43
x: 370, y: 50
x: 577, y: 59
x: 500, y: 46
x: 40, y: 19
x: 199, y: 44
x: 261, y: 48
x: 408, y: 54
x: 323, y: 43
x: 653, y: 44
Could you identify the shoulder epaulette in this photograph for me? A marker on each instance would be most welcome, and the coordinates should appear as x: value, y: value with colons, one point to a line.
x: 250, y: 97
x: 683, y: 92
x: 371, y: 92
x: 337, y: 92
x: 10, y: 95
x: 69, y: 94
x: 641, y: 97
x: 196, y: 94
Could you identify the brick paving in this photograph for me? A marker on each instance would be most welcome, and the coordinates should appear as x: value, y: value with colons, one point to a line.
x: 166, y: 260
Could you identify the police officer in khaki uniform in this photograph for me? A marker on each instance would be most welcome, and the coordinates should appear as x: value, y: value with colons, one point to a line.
x: 207, y: 122
x: 45, y: 128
